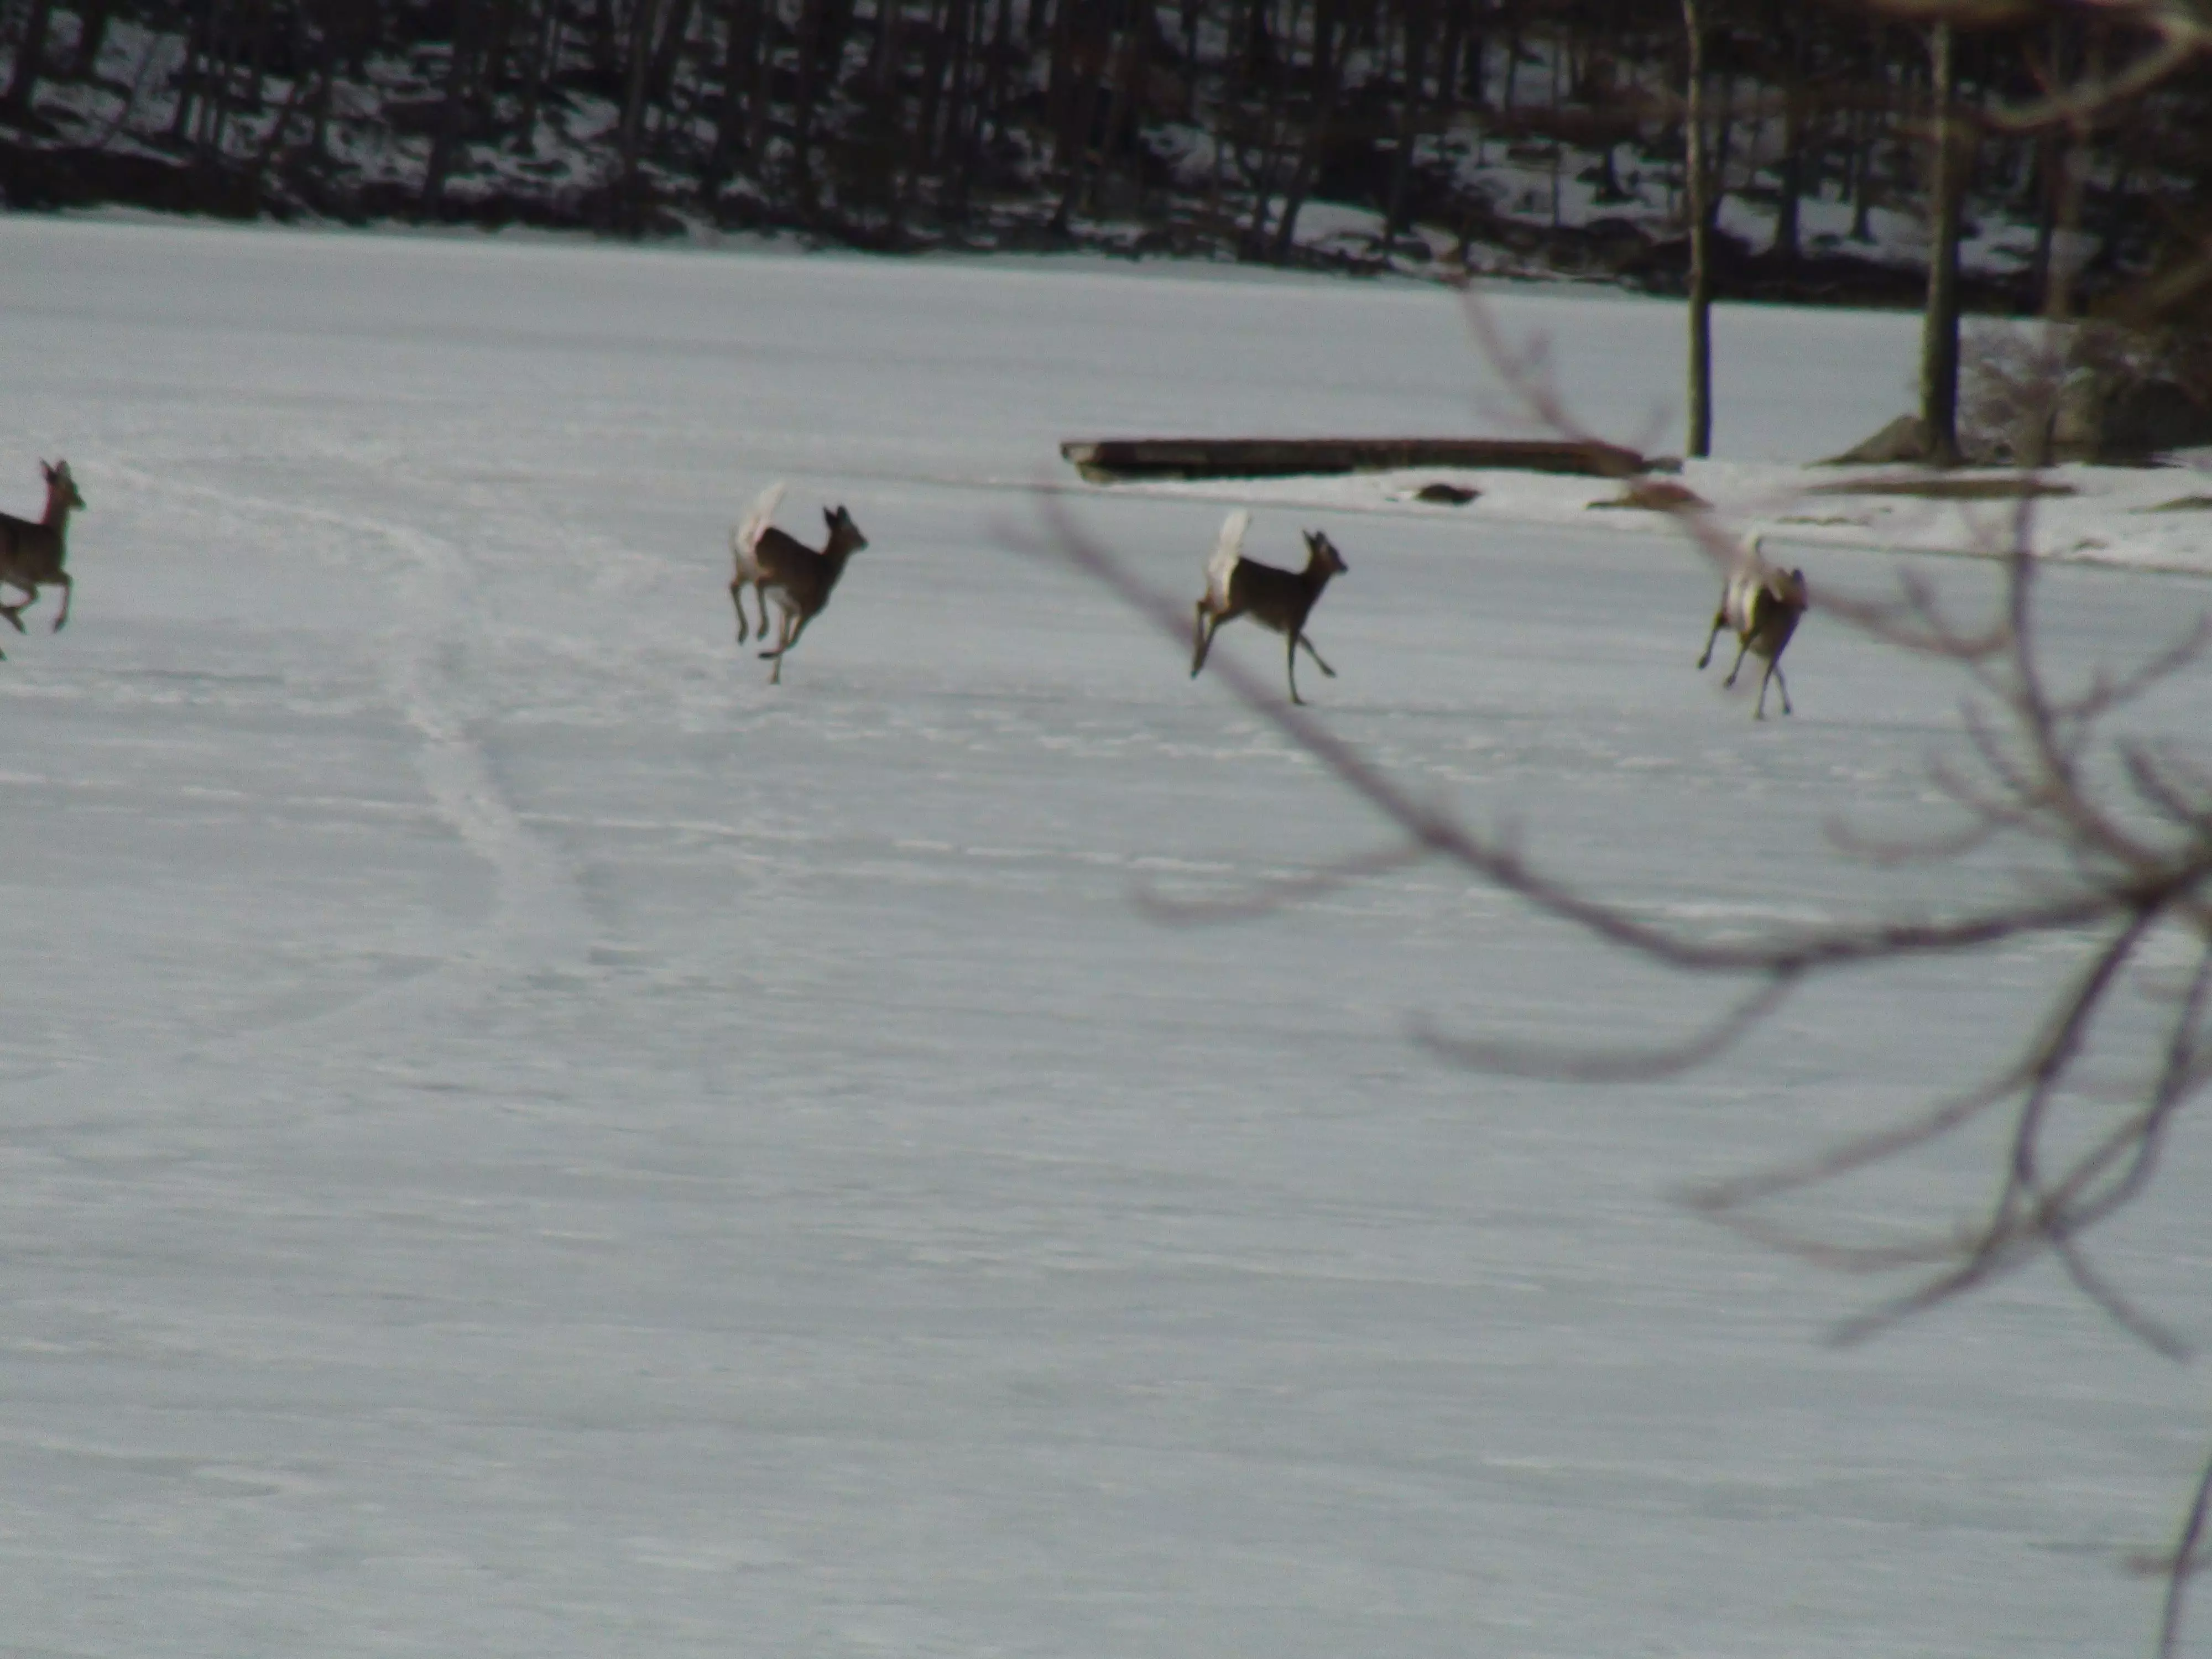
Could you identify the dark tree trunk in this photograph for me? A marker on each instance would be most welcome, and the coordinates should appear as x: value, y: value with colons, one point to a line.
x: 453, y: 116
x: 811, y: 26
x: 1698, y: 185
x: 1075, y: 137
x: 606, y: 51
x: 91, y: 39
x: 1060, y: 84
x: 218, y: 69
x: 1868, y: 124
x: 964, y: 111
x: 1255, y: 241
x: 661, y: 83
x: 30, y: 62
x: 545, y: 60
x: 1416, y: 29
x: 994, y: 77
x: 768, y: 20
x: 1790, y: 175
x: 1447, y: 56
x: 1329, y: 75
x: 275, y: 141
x: 488, y: 72
x: 644, y: 20
x: 2058, y: 169
x: 326, y: 75
x: 922, y: 153
x: 738, y: 47
x: 1939, y: 337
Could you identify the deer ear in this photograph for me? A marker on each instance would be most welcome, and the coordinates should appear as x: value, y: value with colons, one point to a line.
x: 47, y: 472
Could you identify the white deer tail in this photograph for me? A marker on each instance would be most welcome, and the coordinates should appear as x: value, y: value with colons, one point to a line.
x: 1227, y: 549
x: 758, y: 517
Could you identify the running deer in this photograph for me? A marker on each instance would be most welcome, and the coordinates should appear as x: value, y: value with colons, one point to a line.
x: 1277, y: 599
x: 800, y: 578
x: 1762, y: 604
x: 31, y: 555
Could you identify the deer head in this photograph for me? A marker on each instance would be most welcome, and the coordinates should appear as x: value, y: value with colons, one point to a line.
x: 59, y: 485
x: 842, y: 530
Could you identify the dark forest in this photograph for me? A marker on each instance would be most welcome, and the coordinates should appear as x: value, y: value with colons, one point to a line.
x: 1502, y: 135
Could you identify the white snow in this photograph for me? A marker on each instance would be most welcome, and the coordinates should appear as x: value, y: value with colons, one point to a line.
x: 520, y: 1139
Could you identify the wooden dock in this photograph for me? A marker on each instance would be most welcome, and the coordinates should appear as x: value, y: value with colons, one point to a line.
x: 1110, y: 461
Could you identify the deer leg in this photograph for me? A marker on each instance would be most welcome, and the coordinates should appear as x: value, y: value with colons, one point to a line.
x: 1774, y: 669
x: 791, y: 633
x: 1316, y: 655
x: 13, y: 613
x: 759, y: 598
x: 737, y: 598
x: 1291, y: 653
x: 793, y: 626
x: 1737, y: 663
x: 1202, y: 641
x: 1719, y: 622
x: 69, y: 587
x: 783, y: 645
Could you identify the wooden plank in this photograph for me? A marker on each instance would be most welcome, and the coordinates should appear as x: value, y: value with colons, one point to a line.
x: 1106, y: 460
x: 2009, y: 487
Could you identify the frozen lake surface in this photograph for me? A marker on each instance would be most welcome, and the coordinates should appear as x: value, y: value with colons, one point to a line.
x: 519, y: 1138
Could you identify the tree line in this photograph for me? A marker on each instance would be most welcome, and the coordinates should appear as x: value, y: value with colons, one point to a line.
x: 1556, y: 128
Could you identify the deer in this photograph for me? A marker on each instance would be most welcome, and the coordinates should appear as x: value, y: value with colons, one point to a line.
x: 800, y: 578
x: 31, y: 555
x: 1761, y: 603
x: 1277, y: 599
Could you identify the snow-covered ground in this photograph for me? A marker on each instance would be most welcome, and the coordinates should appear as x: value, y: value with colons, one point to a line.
x: 520, y: 1139
x: 2142, y: 518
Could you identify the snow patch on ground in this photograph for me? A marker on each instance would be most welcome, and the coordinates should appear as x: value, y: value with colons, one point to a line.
x: 2148, y: 518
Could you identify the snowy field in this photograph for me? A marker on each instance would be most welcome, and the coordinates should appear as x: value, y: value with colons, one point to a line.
x: 522, y: 1138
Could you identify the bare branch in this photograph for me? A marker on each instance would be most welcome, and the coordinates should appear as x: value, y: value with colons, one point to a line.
x: 2184, y: 1565
x: 1621, y: 1066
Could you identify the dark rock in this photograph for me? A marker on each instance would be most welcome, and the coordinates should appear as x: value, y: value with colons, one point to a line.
x: 2152, y: 417
x: 1903, y: 440
x: 1654, y: 495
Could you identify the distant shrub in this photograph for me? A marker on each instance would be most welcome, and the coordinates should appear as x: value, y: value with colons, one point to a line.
x: 2097, y: 391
